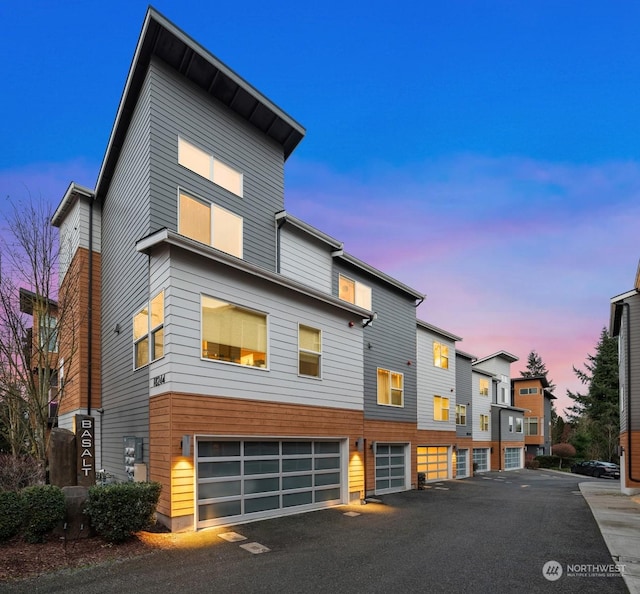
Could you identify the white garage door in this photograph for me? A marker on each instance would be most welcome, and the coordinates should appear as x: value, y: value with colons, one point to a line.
x: 462, y: 463
x: 512, y: 458
x: 238, y: 480
x: 481, y: 458
x: 390, y: 468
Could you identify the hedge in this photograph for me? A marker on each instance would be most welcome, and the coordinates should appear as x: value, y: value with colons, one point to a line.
x: 44, y: 507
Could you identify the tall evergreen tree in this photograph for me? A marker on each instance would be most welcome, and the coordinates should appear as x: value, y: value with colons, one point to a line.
x: 596, y: 414
x: 536, y: 367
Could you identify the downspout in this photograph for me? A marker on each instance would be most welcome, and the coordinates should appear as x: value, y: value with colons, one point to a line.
x: 500, y: 439
x: 279, y: 224
x: 90, y: 311
x: 628, y: 395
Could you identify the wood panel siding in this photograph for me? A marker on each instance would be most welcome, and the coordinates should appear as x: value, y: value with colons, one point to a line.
x: 633, y: 450
x: 173, y: 415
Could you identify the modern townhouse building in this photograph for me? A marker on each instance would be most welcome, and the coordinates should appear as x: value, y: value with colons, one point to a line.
x: 532, y: 395
x: 507, y: 421
x: 625, y: 324
x: 482, y: 389
x: 229, y: 350
x: 438, y: 411
x: 465, y: 414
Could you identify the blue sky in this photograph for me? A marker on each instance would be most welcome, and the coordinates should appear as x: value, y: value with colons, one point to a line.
x: 485, y: 153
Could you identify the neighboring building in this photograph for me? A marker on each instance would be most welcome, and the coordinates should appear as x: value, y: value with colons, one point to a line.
x: 625, y: 324
x: 465, y: 414
x: 439, y: 413
x: 507, y: 421
x: 532, y: 395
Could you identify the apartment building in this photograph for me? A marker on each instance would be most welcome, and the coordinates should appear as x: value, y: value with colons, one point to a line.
x: 532, y: 395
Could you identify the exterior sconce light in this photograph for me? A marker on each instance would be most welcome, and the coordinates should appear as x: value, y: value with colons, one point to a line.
x: 360, y: 444
x: 185, y: 444
x: 117, y: 329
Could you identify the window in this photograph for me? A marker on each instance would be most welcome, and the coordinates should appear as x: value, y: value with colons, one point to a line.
x: 440, y: 408
x: 503, y: 395
x: 206, y: 165
x: 484, y: 387
x: 484, y: 422
x: 309, y: 351
x: 528, y: 390
x: 233, y: 334
x: 531, y: 426
x: 518, y: 424
x: 48, y: 333
x: 354, y: 292
x: 441, y: 355
x: 390, y: 388
x: 461, y: 414
x: 510, y: 424
x: 210, y: 224
x: 148, y: 332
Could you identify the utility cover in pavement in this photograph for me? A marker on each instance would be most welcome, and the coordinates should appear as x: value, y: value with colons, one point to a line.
x: 232, y: 536
x: 255, y: 547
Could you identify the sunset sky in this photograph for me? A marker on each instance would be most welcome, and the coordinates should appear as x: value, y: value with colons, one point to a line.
x: 484, y: 153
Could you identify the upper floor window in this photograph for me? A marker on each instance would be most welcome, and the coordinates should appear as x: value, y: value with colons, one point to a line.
x: 354, y: 292
x: 461, y: 414
x: 390, y: 388
x: 210, y: 224
x: 484, y: 387
x: 148, y: 332
x: 441, y: 355
x: 233, y: 334
x: 518, y: 424
x: 484, y: 422
x: 531, y: 426
x: 309, y: 351
x: 503, y: 395
x: 440, y: 408
x: 48, y: 333
x: 510, y: 424
x: 206, y: 165
x: 528, y: 390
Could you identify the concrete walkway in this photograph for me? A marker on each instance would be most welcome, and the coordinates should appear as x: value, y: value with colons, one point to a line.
x: 618, y: 517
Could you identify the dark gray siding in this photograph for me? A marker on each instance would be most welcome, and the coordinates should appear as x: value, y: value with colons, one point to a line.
x: 179, y: 108
x: 389, y: 342
x: 500, y: 424
x: 547, y: 426
x: 633, y: 377
x: 464, y: 393
x: 125, y: 218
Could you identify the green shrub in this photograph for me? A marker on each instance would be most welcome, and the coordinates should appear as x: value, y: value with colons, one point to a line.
x: 44, y: 508
x: 11, y: 513
x: 117, y: 511
x: 548, y: 461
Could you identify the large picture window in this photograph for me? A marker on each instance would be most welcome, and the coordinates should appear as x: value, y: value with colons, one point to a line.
x: 309, y: 351
x: 390, y: 388
x: 206, y: 165
x: 148, y: 332
x: 354, y: 292
x: 233, y: 334
x: 210, y: 224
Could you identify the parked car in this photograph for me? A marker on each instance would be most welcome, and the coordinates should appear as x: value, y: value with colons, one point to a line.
x: 597, y: 468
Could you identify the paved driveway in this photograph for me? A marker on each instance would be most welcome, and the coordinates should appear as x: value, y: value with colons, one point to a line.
x: 490, y: 533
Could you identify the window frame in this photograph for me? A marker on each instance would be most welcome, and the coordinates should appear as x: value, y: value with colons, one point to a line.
x: 461, y: 413
x: 484, y: 422
x: 519, y: 425
x: 440, y: 355
x: 528, y: 421
x: 150, y: 332
x: 391, y: 388
x: 483, y: 386
x: 439, y: 409
x: 360, y: 289
x: 307, y: 351
x: 242, y: 308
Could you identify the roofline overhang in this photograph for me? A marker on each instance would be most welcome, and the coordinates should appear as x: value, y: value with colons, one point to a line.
x: 73, y: 191
x: 155, y: 26
x: 482, y: 371
x: 466, y: 355
x: 147, y: 244
x: 440, y: 331
x: 615, y: 315
x: 283, y: 216
x: 503, y: 354
x: 508, y: 407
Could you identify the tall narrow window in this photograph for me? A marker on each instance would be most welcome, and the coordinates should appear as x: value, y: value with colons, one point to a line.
x: 390, y: 388
x: 310, y: 351
x: 484, y: 387
x: 441, y: 355
x: 461, y: 414
x: 48, y: 333
x: 484, y: 422
x: 440, y: 408
x: 233, y: 334
x: 148, y: 332
x: 210, y: 224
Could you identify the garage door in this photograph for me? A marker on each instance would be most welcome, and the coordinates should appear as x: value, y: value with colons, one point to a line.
x: 433, y: 461
x: 462, y: 463
x: 239, y: 480
x: 512, y: 458
x: 390, y: 468
x: 481, y: 458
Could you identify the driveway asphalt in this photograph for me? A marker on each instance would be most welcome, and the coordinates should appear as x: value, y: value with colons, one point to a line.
x: 518, y: 531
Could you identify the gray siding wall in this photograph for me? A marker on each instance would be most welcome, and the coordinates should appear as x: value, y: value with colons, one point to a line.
x: 464, y: 394
x: 305, y: 259
x: 630, y: 366
x: 185, y: 277
x: 125, y: 219
x: 500, y: 424
x: 179, y: 108
x: 389, y: 343
x: 547, y: 425
x: 435, y: 381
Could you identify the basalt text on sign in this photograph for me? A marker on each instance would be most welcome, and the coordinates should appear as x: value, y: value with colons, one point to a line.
x: 85, y: 446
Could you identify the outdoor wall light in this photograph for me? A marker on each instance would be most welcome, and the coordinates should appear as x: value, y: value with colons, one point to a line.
x: 185, y: 444
x: 117, y: 329
x: 360, y: 444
